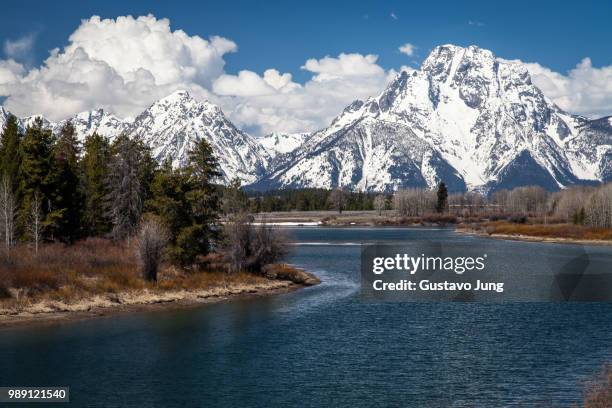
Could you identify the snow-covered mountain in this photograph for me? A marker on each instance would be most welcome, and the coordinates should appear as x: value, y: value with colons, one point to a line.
x: 282, y: 143
x: 465, y: 117
x: 170, y: 127
x: 99, y: 121
x: 173, y: 124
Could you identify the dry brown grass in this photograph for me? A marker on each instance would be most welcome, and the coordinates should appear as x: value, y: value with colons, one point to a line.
x: 98, y: 267
x: 91, y: 265
x: 598, y: 392
x: 569, y: 231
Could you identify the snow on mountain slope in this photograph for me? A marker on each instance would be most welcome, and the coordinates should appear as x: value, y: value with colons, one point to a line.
x: 98, y: 121
x: 281, y: 143
x: 173, y: 124
x: 4, y: 114
x: 479, y: 116
x: 170, y: 127
x: 466, y: 117
x: 370, y: 155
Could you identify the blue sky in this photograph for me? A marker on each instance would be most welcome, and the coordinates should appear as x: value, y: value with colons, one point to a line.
x: 283, y: 35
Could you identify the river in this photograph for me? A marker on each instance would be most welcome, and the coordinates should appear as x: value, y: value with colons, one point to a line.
x: 323, y: 346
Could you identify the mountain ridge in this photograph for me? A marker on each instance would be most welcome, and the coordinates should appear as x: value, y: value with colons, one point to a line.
x: 479, y: 116
x: 465, y: 117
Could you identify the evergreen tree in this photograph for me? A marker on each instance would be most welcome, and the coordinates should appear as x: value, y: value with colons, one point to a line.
x: 186, y: 201
x: 442, y: 202
x: 203, y: 170
x: 128, y: 184
x: 169, y: 202
x: 95, y: 172
x: 35, y: 167
x: 10, y: 156
x: 66, y: 201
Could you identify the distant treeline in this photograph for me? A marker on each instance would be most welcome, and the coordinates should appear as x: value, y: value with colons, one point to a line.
x: 310, y: 199
x: 590, y: 206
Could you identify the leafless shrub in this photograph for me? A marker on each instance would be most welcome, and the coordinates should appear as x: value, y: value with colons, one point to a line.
x: 249, y: 247
x: 152, y: 239
x: 269, y: 246
x: 237, y: 236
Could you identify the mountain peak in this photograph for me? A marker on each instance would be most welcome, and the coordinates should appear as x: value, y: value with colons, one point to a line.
x: 177, y: 97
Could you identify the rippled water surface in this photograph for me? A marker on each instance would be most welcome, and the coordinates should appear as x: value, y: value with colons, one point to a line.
x: 322, y: 346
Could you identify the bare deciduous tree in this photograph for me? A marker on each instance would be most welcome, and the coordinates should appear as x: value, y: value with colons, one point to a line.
x: 414, y: 202
x: 380, y: 203
x: 599, y: 208
x: 152, y: 239
x: 35, y: 220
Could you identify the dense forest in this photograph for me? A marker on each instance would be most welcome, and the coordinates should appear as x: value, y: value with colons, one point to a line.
x: 53, y: 189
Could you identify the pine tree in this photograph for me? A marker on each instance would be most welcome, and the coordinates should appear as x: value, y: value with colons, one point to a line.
x: 95, y: 172
x: 66, y: 201
x: 34, y: 172
x: 127, y: 184
x: 442, y: 202
x: 169, y: 203
x: 186, y: 202
x: 203, y: 170
x: 10, y: 157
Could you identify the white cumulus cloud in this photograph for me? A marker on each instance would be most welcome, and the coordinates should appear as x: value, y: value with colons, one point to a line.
x: 585, y: 89
x: 407, y: 49
x: 121, y: 65
x: 273, y: 102
x: 125, y: 64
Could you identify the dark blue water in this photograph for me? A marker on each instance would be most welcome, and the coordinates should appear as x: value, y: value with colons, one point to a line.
x: 322, y: 346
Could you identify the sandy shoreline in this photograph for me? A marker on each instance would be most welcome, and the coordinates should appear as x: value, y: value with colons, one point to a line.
x: 47, y: 312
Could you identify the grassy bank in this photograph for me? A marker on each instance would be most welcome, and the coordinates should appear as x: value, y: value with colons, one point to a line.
x: 535, y: 229
x: 99, y: 273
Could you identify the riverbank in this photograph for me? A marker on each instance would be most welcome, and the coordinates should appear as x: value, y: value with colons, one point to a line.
x: 352, y: 219
x: 55, y: 311
x: 529, y: 229
x: 49, y: 309
x: 96, y: 276
x: 549, y: 233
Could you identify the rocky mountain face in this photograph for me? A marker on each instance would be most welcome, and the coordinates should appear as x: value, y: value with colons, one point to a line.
x: 173, y: 124
x: 282, y: 143
x: 466, y: 117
